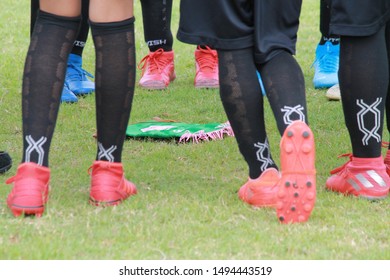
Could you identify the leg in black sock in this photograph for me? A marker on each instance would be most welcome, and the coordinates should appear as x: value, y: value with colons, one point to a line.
x: 243, y: 103
x: 285, y: 88
x: 115, y: 78
x: 51, y: 42
x: 79, y: 43
x: 81, y: 39
x: 387, y: 34
x: 33, y: 14
x: 364, y: 81
x: 324, y: 24
x: 157, y: 24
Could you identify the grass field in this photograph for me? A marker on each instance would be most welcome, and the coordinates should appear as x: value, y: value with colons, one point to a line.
x: 187, y: 206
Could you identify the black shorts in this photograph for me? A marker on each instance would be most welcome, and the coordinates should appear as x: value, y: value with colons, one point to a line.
x: 358, y: 17
x: 270, y: 26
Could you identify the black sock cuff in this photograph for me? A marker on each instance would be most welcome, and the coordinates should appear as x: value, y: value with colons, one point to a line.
x: 52, y: 19
x: 105, y: 28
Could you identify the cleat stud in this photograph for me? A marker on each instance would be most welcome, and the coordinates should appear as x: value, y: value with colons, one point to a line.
x: 310, y: 196
x: 296, y: 194
x: 281, y: 194
x: 306, y: 149
x: 287, y: 184
x: 308, y: 184
x: 289, y: 148
x: 305, y: 134
x: 290, y: 133
x: 307, y: 207
x: 281, y: 218
x: 301, y: 218
x: 293, y: 208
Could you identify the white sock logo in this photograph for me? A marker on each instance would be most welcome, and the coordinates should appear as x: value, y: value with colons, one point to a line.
x: 103, y: 153
x: 366, y: 109
x: 288, y: 111
x: 263, y: 155
x: 35, y: 146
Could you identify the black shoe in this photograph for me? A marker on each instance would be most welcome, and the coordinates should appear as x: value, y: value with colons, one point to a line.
x: 5, y: 162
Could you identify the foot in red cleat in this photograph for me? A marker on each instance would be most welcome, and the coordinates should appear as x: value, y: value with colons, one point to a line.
x: 206, y: 63
x: 108, y: 184
x: 297, y: 189
x: 158, y: 70
x: 363, y: 177
x: 261, y: 192
x: 31, y: 189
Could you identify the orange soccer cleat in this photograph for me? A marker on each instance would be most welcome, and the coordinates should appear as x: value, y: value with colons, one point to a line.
x: 206, y: 63
x: 363, y: 177
x: 31, y: 189
x: 261, y: 192
x: 297, y: 190
x: 158, y: 70
x: 108, y: 184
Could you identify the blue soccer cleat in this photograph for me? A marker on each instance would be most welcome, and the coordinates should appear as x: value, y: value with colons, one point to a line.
x: 77, y: 77
x: 67, y: 95
x: 326, y: 65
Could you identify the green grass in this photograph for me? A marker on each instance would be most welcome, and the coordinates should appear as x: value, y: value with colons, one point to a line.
x: 187, y: 206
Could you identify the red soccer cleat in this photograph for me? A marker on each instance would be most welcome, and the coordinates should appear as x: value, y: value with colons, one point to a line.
x: 206, y: 63
x: 363, y: 177
x: 261, y: 192
x: 297, y: 189
x: 31, y: 189
x: 158, y: 70
x: 108, y: 184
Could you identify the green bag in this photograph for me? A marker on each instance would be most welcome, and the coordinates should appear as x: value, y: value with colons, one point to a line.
x: 184, y: 132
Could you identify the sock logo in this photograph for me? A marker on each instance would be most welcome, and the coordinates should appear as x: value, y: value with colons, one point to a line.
x: 103, y: 153
x: 263, y: 154
x: 290, y: 111
x: 365, y: 110
x: 80, y: 44
x: 158, y: 42
x: 35, y: 146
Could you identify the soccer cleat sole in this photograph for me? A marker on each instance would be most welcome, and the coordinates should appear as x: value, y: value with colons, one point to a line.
x: 18, y: 210
x: 297, y: 190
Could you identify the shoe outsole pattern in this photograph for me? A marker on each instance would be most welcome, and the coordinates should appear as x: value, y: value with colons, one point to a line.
x: 156, y: 84
x: 297, y: 190
x: 206, y: 84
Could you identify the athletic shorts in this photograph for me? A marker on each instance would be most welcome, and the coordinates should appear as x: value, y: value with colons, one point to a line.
x: 269, y: 26
x: 358, y: 17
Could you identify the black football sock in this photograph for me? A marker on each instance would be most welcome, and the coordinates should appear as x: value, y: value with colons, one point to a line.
x: 156, y: 16
x: 33, y: 14
x: 324, y: 24
x: 43, y: 80
x: 387, y: 31
x: 114, y: 81
x: 79, y: 43
x: 364, y: 81
x: 285, y: 88
x: 243, y: 103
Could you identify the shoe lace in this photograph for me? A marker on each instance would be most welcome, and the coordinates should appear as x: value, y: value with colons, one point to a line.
x: 11, y: 180
x: 76, y: 73
x: 154, y: 61
x: 329, y: 62
x: 208, y: 60
x: 341, y: 168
